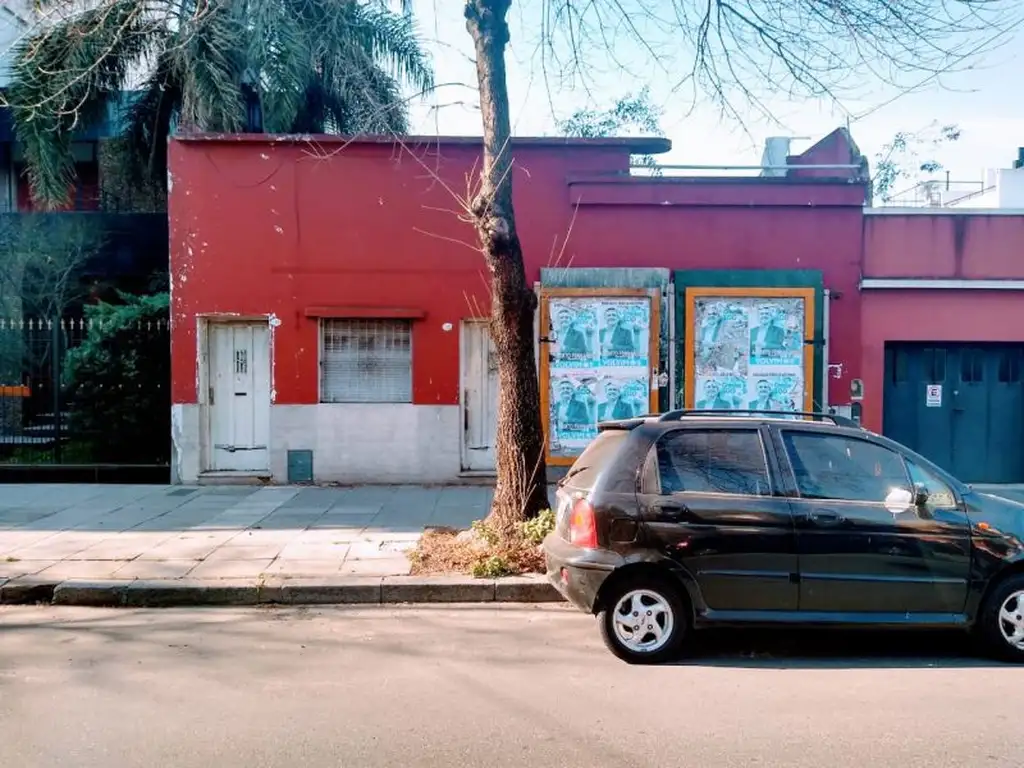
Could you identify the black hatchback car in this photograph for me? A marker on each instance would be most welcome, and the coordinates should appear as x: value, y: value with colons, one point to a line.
x: 696, y: 519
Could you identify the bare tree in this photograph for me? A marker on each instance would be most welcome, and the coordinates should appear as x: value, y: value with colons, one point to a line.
x: 44, y: 259
x: 738, y: 50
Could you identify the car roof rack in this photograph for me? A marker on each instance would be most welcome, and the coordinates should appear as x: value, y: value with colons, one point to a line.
x: 682, y: 413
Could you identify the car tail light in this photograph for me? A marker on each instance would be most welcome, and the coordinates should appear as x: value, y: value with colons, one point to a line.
x: 583, y: 525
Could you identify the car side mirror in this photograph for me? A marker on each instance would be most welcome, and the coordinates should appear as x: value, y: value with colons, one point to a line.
x: 920, y: 494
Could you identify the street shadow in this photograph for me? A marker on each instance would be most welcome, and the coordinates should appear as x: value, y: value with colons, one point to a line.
x: 792, y: 648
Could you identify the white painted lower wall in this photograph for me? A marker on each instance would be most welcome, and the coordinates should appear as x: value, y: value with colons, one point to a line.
x: 351, y: 443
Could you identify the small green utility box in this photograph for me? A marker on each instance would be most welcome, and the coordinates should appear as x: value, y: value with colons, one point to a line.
x: 300, y: 467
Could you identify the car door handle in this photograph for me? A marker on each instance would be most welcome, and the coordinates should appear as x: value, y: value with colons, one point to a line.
x: 672, y: 511
x: 827, y: 518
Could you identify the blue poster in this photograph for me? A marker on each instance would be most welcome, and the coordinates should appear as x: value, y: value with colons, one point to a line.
x: 625, y: 333
x: 776, y: 335
x: 573, y: 414
x: 574, y: 338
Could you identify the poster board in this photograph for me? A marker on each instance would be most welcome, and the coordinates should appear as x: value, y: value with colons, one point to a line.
x: 599, y: 352
x: 747, y: 348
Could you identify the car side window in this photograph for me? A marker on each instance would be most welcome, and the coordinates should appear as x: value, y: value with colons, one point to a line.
x: 940, y: 495
x: 829, y: 466
x: 713, y: 461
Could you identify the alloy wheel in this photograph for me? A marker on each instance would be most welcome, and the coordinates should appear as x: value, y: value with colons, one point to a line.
x: 643, y: 621
x: 1011, y: 619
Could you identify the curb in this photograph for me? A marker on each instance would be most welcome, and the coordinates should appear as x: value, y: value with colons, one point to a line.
x: 387, y: 590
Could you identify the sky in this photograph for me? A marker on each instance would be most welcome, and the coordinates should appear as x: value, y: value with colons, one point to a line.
x: 985, y: 102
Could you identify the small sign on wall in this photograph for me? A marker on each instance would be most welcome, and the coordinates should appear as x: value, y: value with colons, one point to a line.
x: 933, y: 396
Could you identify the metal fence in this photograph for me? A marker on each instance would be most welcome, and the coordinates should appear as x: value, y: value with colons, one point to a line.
x: 55, y: 410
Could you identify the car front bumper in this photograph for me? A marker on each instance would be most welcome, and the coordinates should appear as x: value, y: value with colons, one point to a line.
x: 578, y: 573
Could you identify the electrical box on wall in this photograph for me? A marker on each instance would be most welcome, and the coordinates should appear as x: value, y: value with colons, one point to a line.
x: 300, y: 467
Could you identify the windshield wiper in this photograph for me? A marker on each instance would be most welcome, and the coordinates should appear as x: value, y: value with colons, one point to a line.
x: 572, y: 473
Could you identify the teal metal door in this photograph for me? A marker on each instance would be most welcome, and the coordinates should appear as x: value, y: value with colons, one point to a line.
x: 962, y: 406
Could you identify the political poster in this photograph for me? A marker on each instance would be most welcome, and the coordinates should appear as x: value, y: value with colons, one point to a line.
x: 599, y: 366
x: 749, y: 353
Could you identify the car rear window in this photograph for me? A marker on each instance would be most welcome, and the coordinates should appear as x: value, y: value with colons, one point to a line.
x: 585, y: 470
x: 713, y: 461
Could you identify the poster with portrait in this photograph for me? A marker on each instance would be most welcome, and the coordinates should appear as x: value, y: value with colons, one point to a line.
x: 572, y: 416
x: 727, y: 392
x: 776, y: 332
x: 625, y: 334
x: 748, y: 353
x: 599, y: 332
x: 622, y: 395
x: 721, y: 337
x: 599, y: 365
x: 574, y: 340
x: 772, y: 391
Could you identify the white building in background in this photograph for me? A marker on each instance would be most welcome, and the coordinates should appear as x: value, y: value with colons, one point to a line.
x: 15, y: 20
x: 998, y: 188
x: 1003, y: 188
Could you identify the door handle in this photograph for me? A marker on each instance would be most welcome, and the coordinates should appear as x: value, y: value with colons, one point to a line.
x: 673, y: 512
x: 827, y: 518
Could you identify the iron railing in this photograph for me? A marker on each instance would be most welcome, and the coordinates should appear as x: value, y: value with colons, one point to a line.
x: 49, y: 415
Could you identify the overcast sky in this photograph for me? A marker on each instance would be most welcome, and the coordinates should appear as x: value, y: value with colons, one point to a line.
x: 985, y: 102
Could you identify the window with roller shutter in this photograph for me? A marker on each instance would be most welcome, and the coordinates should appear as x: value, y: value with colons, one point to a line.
x: 366, y: 361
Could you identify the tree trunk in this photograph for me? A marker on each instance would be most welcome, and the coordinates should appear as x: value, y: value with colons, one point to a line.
x: 521, y: 490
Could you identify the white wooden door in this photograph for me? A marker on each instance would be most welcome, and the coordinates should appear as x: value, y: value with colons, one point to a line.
x: 479, y: 397
x: 239, y: 396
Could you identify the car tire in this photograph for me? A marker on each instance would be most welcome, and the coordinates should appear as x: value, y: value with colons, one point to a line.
x: 999, y: 618
x: 652, y: 598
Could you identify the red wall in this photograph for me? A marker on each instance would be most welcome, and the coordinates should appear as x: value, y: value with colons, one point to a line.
x: 938, y: 246
x: 263, y: 226
x: 939, y: 315
x: 953, y: 245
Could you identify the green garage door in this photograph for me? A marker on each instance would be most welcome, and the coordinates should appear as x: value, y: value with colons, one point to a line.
x: 962, y: 406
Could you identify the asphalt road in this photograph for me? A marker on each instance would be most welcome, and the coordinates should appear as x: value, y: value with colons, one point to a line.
x: 470, y: 686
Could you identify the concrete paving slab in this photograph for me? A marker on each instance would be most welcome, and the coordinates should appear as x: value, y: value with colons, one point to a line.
x: 155, y: 569
x: 381, y: 567
x: 14, y: 569
x: 166, y: 533
x: 245, y: 552
x: 127, y: 546
x: 303, y: 568
x: 230, y: 569
x: 81, y: 569
x: 327, y: 551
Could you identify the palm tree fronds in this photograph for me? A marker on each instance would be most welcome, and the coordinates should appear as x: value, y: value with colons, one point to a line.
x: 212, y: 62
x: 64, y: 75
x: 389, y: 38
x: 142, y: 146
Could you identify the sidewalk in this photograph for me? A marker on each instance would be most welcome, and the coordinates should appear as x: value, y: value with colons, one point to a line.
x: 257, y: 542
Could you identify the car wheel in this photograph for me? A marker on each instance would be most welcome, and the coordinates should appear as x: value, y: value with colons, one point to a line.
x: 1001, y: 623
x: 644, y: 619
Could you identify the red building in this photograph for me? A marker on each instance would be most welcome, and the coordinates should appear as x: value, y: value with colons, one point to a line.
x: 327, y: 297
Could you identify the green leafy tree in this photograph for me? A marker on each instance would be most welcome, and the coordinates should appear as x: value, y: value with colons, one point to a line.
x: 910, y: 156
x: 630, y: 115
x: 295, y: 66
x: 117, y: 381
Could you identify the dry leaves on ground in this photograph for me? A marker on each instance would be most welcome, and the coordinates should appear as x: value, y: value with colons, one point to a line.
x: 481, y: 552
